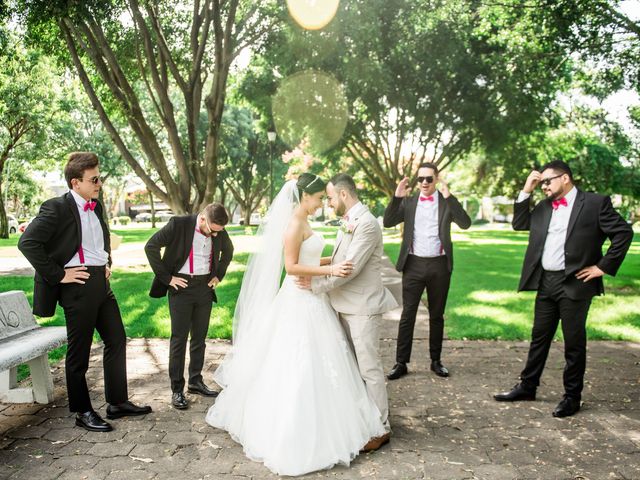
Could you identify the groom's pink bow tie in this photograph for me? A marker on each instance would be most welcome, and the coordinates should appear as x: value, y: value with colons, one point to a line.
x: 91, y: 205
x: 426, y: 199
x: 559, y: 203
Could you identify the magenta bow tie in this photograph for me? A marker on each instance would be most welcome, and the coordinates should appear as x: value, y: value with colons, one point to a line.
x: 559, y: 203
x: 426, y: 199
x: 90, y: 205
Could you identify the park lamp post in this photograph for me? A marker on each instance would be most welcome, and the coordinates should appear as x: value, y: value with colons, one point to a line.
x: 271, y: 135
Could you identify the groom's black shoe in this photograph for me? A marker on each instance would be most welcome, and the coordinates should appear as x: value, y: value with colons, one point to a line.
x: 439, y: 369
x: 517, y: 393
x: 567, y: 407
x: 92, y: 421
x: 126, y: 409
x: 201, y: 389
x: 179, y: 401
x: 398, y: 370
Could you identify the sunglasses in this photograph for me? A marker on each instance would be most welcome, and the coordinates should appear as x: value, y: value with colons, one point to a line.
x: 547, y: 181
x: 428, y: 179
x: 94, y: 180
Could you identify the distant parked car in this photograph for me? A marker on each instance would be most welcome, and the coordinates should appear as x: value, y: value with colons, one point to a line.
x: 333, y: 223
x: 13, y: 224
x: 255, y: 219
x: 143, y: 217
x: 163, y: 216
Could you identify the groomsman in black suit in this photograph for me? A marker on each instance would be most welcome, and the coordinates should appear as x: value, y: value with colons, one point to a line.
x: 197, y: 252
x: 565, y: 265
x: 425, y: 260
x: 68, y: 245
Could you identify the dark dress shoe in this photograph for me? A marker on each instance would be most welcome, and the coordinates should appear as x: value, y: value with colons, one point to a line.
x: 398, y: 370
x: 567, y: 407
x: 517, y: 393
x: 201, y: 389
x: 126, y: 409
x: 179, y: 401
x: 439, y: 369
x: 92, y: 421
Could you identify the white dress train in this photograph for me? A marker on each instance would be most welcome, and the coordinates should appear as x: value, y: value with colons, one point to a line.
x: 294, y: 397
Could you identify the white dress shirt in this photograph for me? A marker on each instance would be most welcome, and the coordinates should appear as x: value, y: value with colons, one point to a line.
x: 201, y: 248
x: 553, y: 251
x: 426, y: 236
x: 92, y: 237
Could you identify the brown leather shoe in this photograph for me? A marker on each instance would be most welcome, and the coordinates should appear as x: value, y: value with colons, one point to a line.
x: 376, y: 442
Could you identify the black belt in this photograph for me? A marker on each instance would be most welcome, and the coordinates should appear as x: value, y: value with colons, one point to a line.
x: 188, y: 276
x: 95, y: 268
x: 428, y: 258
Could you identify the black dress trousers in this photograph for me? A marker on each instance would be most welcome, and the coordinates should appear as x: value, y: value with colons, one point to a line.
x: 551, y: 306
x: 419, y: 273
x: 88, y: 307
x: 190, y: 310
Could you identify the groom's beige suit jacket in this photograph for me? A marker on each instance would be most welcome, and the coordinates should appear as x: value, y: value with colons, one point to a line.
x: 362, y: 292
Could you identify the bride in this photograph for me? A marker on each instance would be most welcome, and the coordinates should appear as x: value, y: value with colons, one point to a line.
x: 292, y: 393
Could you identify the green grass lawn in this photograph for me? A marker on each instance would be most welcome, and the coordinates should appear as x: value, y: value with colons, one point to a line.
x: 12, y: 241
x: 483, y: 302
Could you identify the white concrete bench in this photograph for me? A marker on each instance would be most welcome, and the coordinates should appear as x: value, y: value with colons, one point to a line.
x: 22, y: 340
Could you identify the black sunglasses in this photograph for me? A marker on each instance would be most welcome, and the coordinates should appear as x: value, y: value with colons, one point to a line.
x: 547, y: 181
x: 428, y: 179
x: 94, y: 180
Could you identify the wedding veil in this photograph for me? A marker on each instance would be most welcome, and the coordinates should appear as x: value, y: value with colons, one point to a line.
x: 261, y: 280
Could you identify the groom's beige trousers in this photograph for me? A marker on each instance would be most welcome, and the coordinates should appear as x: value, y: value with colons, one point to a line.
x: 363, y: 332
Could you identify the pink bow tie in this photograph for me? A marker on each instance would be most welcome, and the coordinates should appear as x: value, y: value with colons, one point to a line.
x: 90, y: 205
x: 426, y: 199
x: 559, y: 203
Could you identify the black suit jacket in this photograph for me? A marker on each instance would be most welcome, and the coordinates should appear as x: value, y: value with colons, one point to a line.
x: 404, y: 210
x: 592, y: 220
x: 177, y: 238
x: 49, y: 242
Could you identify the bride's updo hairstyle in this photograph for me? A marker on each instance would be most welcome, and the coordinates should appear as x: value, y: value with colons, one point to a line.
x: 310, y: 184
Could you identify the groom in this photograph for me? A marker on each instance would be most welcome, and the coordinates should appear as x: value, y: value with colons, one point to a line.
x: 360, y: 299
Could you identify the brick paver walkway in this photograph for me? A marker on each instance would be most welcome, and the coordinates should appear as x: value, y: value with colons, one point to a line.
x: 443, y: 428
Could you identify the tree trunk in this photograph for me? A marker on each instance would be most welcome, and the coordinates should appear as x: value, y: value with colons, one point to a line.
x: 153, y: 210
x: 4, y: 224
x: 247, y: 216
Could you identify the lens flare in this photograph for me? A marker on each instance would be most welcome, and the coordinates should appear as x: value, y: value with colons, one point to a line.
x: 313, y: 14
x: 310, y: 106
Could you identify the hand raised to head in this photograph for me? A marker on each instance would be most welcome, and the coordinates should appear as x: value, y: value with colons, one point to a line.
x: 444, y: 186
x: 403, y: 188
x: 532, y: 182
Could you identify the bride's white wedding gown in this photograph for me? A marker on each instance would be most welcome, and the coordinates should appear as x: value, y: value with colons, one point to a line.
x: 299, y: 404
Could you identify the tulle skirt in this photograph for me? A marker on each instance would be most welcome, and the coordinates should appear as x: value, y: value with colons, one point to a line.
x: 294, y: 397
